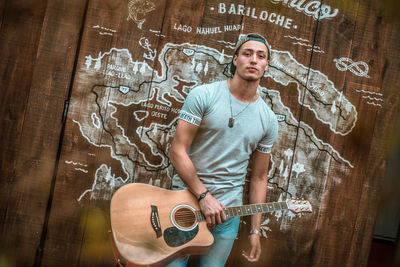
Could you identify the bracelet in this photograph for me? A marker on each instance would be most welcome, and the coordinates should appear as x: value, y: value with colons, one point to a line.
x: 203, y: 195
x: 255, y: 231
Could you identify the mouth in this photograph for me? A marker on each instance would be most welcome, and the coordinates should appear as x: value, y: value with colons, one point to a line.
x: 252, y: 69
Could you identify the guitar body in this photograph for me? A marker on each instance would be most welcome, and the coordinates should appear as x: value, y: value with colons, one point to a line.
x: 151, y: 225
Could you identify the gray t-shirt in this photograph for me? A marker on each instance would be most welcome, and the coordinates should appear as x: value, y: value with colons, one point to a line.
x: 221, y: 154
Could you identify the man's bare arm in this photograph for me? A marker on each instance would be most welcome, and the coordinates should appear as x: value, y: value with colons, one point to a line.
x: 184, y: 135
x: 257, y: 194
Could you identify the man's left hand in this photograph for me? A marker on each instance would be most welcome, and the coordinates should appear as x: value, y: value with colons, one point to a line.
x: 255, y: 248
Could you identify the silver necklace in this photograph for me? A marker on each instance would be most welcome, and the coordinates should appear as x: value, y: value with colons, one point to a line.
x: 231, y: 121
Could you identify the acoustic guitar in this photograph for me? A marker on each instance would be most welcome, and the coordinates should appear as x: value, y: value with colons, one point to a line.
x: 151, y: 225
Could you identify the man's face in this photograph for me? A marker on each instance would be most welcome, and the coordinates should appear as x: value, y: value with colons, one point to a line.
x: 251, y: 60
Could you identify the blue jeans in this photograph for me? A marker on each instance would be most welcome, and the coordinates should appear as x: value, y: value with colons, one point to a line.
x: 224, y: 236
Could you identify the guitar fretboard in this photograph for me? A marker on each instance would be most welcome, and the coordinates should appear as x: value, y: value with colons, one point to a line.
x: 248, y: 210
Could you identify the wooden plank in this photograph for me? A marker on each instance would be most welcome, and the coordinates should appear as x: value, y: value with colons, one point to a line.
x: 137, y: 60
x: 93, y: 162
x: 343, y: 184
x: 2, y: 8
x: 19, y: 37
x: 37, y: 63
x: 380, y: 144
x: 290, y: 32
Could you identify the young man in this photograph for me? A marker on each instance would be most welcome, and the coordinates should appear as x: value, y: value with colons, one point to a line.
x: 220, y: 126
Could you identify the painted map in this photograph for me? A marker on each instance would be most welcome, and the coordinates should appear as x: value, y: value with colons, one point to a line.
x: 135, y: 118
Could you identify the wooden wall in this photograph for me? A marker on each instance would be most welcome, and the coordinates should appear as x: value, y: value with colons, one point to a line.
x: 90, y: 91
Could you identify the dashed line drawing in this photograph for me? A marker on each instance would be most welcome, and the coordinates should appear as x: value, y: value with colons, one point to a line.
x: 316, y: 50
x: 313, y: 48
x: 358, y: 68
x: 372, y: 98
x: 105, y: 30
x: 296, y: 38
x: 157, y: 33
x: 375, y: 104
x: 224, y: 42
x: 368, y: 92
x: 82, y: 170
x: 75, y: 163
x: 227, y: 44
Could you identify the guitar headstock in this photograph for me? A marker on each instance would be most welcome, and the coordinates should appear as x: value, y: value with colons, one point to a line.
x: 299, y: 205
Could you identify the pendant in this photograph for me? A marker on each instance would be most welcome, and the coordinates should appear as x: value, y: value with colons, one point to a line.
x: 231, y: 122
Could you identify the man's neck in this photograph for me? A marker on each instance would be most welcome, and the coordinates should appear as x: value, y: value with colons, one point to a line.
x: 243, y: 90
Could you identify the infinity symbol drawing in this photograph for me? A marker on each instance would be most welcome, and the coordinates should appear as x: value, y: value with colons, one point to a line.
x: 359, y: 68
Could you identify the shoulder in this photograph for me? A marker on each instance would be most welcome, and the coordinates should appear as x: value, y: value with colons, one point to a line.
x: 208, y: 87
x: 267, y: 110
x: 207, y: 92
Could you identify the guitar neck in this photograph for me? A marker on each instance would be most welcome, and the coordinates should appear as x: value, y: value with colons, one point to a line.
x: 248, y: 209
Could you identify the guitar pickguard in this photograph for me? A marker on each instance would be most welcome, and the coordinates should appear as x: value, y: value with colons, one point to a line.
x: 175, y: 237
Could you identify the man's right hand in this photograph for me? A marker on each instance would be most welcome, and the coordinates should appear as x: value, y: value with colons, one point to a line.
x: 212, y: 209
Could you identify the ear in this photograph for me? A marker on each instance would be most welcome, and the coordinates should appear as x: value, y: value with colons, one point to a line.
x: 234, y: 61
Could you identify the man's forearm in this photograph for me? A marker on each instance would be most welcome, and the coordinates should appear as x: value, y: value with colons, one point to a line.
x: 257, y: 194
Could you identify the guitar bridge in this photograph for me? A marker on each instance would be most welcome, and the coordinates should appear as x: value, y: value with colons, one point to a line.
x: 155, y: 221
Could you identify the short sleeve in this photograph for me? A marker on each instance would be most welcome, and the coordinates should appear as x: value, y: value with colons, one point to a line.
x: 195, y: 106
x: 265, y: 145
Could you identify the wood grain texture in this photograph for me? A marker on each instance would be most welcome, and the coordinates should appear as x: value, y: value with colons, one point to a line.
x: 126, y: 67
x: 37, y: 65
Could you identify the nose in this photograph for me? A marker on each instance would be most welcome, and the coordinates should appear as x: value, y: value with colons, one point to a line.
x: 253, y: 58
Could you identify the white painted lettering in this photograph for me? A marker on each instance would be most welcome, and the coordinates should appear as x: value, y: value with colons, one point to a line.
x: 280, y: 19
x: 240, y: 10
x: 263, y: 15
x: 316, y: 5
x: 221, y: 8
x: 288, y: 23
x: 253, y: 14
x: 313, y: 8
x: 232, y: 10
x: 272, y: 17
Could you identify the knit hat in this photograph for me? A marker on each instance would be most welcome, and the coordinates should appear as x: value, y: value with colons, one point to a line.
x: 248, y: 37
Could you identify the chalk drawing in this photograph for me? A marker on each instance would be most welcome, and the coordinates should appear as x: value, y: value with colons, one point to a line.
x: 314, y: 9
x: 374, y: 104
x: 265, y: 228
x: 82, y: 170
x: 319, y: 91
x: 227, y: 44
x: 296, y: 38
x: 136, y: 7
x: 298, y: 168
x: 359, y: 68
x: 144, y: 42
x: 105, y: 184
x: 75, y: 163
x: 104, y: 30
x: 153, y: 108
x: 95, y: 120
x: 372, y: 98
x: 368, y: 92
x: 313, y: 48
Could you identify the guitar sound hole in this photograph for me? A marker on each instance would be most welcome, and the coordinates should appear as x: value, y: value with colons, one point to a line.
x: 184, y: 217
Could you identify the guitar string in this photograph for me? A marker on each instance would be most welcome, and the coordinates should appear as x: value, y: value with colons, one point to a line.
x: 189, y: 216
